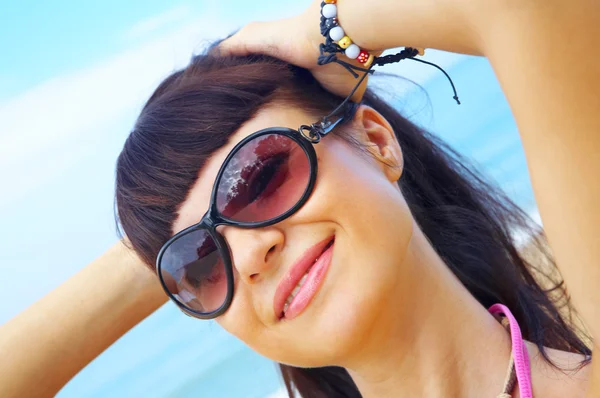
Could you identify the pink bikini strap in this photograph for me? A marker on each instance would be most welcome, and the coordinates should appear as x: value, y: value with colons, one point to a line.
x: 519, y: 351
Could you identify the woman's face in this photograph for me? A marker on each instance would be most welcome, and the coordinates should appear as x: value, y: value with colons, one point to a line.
x: 356, y: 200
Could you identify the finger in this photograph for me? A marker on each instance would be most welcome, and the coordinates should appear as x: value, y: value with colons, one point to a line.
x: 232, y: 45
x: 216, y: 49
x: 255, y: 37
x: 278, y: 39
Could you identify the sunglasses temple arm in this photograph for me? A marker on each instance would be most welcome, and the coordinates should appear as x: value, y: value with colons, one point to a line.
x: 324, y: 126
x: 349, y: 96
x: 327, y: 126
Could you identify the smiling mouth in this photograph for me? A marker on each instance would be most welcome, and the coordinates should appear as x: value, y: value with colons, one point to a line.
x: 294, y: 293
x: 303, y: 280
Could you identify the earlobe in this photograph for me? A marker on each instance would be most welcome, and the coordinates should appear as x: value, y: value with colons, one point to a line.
x: 381, y: 141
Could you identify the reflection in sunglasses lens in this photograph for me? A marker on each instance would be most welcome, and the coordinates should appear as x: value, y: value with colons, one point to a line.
x: 264, y: 179
x: 194, y: 272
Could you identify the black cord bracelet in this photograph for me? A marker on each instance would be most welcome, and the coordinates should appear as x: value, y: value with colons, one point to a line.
x: 336, y: 42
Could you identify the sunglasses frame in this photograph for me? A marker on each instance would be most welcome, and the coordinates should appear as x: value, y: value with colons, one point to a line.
x: 306, y: 136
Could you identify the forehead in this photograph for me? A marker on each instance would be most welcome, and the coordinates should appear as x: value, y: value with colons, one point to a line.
x: 196, y: 203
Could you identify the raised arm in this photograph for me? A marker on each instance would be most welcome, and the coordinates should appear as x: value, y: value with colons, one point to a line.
x: 544, y: 53
x: 47, y: 344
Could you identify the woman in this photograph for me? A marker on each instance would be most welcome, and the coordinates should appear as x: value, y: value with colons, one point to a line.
x: 371, y: 276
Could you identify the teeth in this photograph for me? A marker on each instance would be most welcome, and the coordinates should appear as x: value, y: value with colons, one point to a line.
x: 301, y: 282
x: 294, y: 292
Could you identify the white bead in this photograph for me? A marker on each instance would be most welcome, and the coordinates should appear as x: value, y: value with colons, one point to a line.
x: 337, y: 33
x: 352, y: 51
x: 329, y: 10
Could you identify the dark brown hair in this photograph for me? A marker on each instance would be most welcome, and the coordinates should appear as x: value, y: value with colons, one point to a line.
x: 469, y: 222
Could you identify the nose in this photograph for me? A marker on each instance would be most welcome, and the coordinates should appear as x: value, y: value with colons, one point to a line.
x: 254, y: 251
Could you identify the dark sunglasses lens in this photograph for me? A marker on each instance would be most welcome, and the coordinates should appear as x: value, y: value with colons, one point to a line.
x: 264, y: 179
x: 194, y: 272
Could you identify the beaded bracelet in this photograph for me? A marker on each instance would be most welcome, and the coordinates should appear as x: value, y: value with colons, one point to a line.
x: 337, y: 34
x: 337, y: 41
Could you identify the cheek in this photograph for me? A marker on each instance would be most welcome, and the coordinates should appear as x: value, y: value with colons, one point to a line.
x: 241, y: 319
x: 375, y: 229
x: 369, y: 207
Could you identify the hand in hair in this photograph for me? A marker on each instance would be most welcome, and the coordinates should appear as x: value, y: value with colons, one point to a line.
x: 295, y: 40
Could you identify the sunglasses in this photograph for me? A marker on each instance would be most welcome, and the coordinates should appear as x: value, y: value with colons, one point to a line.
x: 265, y: 179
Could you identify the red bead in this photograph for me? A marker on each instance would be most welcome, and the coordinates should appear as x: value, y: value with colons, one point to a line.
x: 363, y: 56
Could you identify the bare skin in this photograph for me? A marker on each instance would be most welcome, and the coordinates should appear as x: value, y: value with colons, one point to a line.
x: 554, y: 99
x: 47, y: 344
x: 435, y: 322
x: 543, y: 55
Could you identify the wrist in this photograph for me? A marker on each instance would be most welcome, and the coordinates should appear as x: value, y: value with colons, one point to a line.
x: 308, y: 22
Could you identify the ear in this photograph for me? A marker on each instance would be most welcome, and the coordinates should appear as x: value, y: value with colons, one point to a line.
x: 378, y: 136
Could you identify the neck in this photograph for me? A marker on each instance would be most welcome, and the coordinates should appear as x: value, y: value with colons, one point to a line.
x: 442, y: 344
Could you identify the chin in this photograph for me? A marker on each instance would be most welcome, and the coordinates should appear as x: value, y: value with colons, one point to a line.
x: 328, y: 334
x: 338, y: 323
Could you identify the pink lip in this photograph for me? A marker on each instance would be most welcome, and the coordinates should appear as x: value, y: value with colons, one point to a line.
x: 316, y: 275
